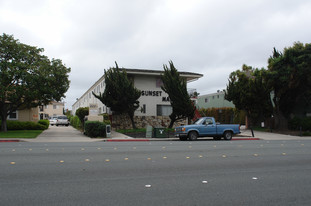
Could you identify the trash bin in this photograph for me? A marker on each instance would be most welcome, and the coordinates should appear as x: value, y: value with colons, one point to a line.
x: 159, y: 132
x: 108, y: 130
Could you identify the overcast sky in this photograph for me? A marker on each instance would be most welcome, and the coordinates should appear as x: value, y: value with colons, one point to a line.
x: 211, y: 37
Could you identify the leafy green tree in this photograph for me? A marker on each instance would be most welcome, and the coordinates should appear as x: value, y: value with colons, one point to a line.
x: 290, y: 79
x: 81, y: 113
x: 249, y: 91
x: 28, y: 78
x: 120, y: 93
x: 176, y: 88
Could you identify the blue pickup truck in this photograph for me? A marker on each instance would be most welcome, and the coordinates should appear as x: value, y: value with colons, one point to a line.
x: 207, y: 127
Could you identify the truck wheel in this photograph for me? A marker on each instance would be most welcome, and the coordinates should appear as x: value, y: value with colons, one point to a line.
x: 228, y: 135
x: 193, y: 136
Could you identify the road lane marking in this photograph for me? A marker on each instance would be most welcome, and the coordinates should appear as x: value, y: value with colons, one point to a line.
x: 12, y: 163
x: 61, y: 161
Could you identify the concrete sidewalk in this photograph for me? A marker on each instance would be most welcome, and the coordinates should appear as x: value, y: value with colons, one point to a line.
x: 271, y: 136
x: 70, y: 134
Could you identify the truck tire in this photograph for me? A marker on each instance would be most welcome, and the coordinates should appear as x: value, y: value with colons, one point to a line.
x: 193, y: 136
x: 228, y: 135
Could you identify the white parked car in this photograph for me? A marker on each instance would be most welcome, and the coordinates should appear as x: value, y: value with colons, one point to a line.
x: 62, y: 120
x: 53, y: 121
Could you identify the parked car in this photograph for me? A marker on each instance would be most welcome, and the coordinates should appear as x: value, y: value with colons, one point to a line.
x: 53, y: 121
x: 62, y: 120
x: 207, y: 127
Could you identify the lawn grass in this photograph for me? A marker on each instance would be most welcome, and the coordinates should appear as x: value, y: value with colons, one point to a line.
x: 21, y: 134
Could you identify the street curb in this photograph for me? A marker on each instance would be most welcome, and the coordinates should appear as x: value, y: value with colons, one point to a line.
x: 246, y: 138
x: 4, y: 140
x: 127, y: 140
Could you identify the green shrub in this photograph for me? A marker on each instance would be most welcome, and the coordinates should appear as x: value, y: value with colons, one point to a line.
x: 81, y: 113
x: 106, y: 119
x: 17, y: 125
x: 296, y: 123
x: 95, y: 129
x: 224, y: 115
x: 75, y: 122
x: 45, y: 123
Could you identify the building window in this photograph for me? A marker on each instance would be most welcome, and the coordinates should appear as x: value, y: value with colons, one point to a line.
x: 143, y: 109
x: 55, y: 106
x: 41, y: 108
x: 164, y: 110
x: 206, y: 100
x: 13, y: 116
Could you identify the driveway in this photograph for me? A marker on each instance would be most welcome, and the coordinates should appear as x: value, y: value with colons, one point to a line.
x: 62, y: 134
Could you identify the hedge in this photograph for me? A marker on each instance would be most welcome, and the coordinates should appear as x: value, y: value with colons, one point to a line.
x: 45, y: 123
x: 296, y: 123
x: 17, y: 125
x: 225, y: 115
x: 95, y: 129
x: 75, y: 122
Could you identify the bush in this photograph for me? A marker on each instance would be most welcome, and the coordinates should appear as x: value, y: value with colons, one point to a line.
x: 106, y: 119
x: 17, y: 125
x: 45, y: 123
x: 223, y: 115
x: 95, y: 129
x: 81, y: 113
x: 296, y: 123
x: 75, y: 122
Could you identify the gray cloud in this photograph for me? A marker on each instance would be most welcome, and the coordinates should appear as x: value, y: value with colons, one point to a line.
x: 209, y: 37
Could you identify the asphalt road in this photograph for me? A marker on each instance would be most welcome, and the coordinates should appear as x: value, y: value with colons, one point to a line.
x: 156, y: 173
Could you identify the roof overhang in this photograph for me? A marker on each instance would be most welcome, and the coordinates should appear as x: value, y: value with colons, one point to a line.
x: 189, y: 76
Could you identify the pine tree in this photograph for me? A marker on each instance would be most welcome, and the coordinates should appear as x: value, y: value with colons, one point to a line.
x: 120, y: 94
x: 176, y: 88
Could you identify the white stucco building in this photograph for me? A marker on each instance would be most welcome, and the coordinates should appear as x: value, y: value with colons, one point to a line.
x: 153, y: 101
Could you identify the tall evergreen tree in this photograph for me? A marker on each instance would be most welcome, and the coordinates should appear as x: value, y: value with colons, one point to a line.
x: 290, y: 79
x: 176, y: 88
x: 120, y: 94
x: 249, y: 91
